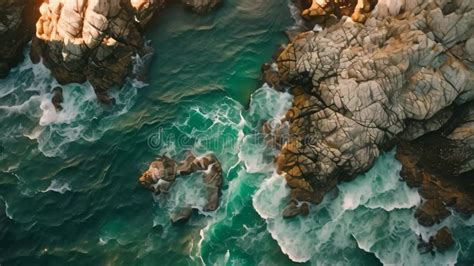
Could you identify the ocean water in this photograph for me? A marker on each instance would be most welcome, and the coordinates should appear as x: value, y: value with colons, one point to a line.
x: 68, y: 181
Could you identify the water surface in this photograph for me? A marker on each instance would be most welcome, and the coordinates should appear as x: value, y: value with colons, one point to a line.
x: 68, y: 181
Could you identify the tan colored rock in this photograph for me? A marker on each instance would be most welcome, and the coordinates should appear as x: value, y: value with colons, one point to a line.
x: 322, y: 10
x: 91, y: 40
x: 360, y: 87
x: 163, y: 172
x: 94, y: 40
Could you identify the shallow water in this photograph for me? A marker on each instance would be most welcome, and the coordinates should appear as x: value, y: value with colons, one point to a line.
x: 68, y: 181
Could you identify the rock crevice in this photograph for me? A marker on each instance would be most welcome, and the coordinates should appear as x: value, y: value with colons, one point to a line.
x: 360, y: 88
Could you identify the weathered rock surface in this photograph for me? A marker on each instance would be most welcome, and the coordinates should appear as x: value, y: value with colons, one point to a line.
x: 322, y: 11
x: 440, y: 164
x: 96, y: 40
x: 431, y: 212
x: 163, y: 172
x: 17, y: 20
x: 359, y: 88
x: 92, y: 40
x: 443, y: 240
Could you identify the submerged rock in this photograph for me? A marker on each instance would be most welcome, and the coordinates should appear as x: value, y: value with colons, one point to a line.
x: 163, y: 172
x: 293, y: 209
x: 181, y: 216
x: 361, y: 88
x: 424, y: 247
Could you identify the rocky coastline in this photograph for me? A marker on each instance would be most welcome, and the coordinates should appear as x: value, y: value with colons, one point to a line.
x: 367, y: 76
x: 85, y: 40
x: 399, y: 75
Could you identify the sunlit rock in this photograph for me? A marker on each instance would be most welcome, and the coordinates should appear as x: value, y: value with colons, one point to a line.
x: 359, y: 88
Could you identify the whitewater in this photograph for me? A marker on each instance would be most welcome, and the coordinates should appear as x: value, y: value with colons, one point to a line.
x: 68, y: 180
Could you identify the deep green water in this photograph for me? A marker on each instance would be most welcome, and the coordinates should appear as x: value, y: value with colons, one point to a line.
x: 68, y: 181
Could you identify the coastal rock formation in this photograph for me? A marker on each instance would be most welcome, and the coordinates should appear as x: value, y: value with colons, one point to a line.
x: 320, y: 11
x: 92, y: 40
x: 96, y: 40
x: 163, y: 172
x: 441, y: 166
x: 201, y: 6
x: 360, y: 88
x: 17, y: 20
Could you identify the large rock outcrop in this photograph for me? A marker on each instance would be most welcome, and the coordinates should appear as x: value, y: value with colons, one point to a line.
x: 96, y: 40
x: 92, y: 40
x: 17, y: 25
x: 360, y: 88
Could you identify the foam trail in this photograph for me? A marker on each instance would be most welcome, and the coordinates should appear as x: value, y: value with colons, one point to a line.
x: 376, y: 210
x: 7, y: 213
x: 58, y: 187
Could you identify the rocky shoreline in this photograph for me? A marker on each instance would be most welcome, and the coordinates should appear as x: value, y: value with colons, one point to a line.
x: 403, y: 75
x: 366, y: 75
x: 85, y: 40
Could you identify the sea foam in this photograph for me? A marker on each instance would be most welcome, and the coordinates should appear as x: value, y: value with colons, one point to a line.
x: 57, y: 186
x: 373, y: 213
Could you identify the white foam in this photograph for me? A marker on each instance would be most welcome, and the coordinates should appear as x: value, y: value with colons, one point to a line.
x: 7, y: 213
x: 49, y: 112
x: 58, y: 187
x: 376, y: 210
x: 267, y: 103
x: 256, y: 157
x: 27, y: 92
x: 268, y: 199
x: 102, y: 242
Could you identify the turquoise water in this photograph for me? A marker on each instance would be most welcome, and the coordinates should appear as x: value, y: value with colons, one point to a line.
x: 68, y: 181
